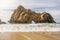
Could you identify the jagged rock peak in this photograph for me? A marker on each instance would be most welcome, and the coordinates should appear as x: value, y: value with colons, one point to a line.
x: 21, y: 7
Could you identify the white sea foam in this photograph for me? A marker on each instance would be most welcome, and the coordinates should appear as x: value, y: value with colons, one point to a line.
x: 29, y: 27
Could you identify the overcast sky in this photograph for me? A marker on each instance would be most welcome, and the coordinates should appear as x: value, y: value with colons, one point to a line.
x: 52, y: 6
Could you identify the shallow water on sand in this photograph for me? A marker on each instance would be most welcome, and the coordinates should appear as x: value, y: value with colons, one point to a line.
x: 30, y: 36
x: 43, y: 31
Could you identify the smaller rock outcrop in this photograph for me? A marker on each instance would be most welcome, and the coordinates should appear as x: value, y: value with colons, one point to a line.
x: 2, y: 22
x: 23, y: 15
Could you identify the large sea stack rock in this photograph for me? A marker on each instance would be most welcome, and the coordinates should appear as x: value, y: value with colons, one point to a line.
x: 22, y: 15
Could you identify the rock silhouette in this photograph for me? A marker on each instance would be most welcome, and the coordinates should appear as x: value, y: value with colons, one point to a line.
x: 2, y: 22
x: 23, y: 15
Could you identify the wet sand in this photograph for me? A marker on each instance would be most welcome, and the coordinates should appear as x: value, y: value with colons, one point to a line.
x: 29, y: 35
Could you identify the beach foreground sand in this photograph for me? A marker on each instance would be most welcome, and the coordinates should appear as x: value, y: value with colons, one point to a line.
x: 29, y: 35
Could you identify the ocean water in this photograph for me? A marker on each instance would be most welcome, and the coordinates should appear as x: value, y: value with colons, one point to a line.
x: 30, y: 27
x: 25, y: 27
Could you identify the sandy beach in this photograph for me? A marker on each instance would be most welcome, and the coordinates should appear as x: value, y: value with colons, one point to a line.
x: 29, y: 35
